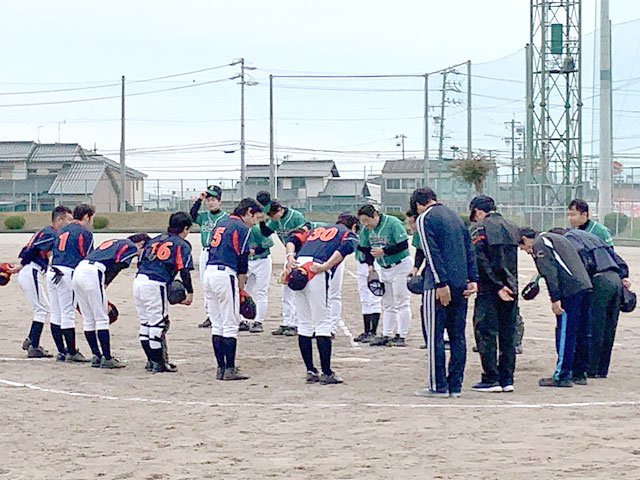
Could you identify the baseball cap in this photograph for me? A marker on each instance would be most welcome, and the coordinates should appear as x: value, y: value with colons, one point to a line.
x: 481, y: 202
x: 264, y: 198
x: 214, y: 191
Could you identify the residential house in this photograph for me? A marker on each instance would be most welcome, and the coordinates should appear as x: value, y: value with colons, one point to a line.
x: 344, y: 194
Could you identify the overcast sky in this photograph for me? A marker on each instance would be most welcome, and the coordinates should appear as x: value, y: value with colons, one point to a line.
x: 72, y: 44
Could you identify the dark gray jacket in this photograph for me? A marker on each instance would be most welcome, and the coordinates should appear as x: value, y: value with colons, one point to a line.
x: 596, y: 255
x: 560, y: 265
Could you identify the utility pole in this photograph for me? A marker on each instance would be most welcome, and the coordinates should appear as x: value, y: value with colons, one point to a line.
x: 441, y: 140
x: 243, y: 82
x: 272, y: 165
x: 426, y: 166
x: 516, y: 136
x: 605, y: 178
x: 123, y: 168
x: 469, y: 142
x: 401, y: 136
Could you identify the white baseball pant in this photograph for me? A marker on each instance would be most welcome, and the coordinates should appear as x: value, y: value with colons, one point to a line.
x: 312, y: 303
x: 32, y: 281
x: 88, y: 286
x: 257, y: 285
x: 150, y: 297
x: 396, y: 299
x: 368, y: 301
x: 202, y: 266
x: 289, y: 313
x: 223, y: 297
x: 63, y: 311
x: 335, y: 296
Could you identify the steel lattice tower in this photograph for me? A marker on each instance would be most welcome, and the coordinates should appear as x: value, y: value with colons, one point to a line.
x: 554, y: 102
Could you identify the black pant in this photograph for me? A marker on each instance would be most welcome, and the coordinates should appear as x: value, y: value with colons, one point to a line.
x: 605, y: 310
x: 495, y: 328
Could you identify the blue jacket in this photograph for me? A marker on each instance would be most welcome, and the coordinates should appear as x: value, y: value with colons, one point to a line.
x: 450, y: 257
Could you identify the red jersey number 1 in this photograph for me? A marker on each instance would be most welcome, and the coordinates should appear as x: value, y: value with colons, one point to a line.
x: 62, y: 241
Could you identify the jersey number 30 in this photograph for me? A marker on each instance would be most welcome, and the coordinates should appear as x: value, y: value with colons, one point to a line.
x: 324, y: 234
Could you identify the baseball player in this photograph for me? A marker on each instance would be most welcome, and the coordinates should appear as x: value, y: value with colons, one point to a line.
x: 386, y: 241
x: 319, y: 253
x: 259, y: 274
x: 282, y: 220
x: 90, y: 279
x: 34, y: 260
x: 370, y: 304
x: 224, y: 282
x: 73, y: 244
x: 162, y: 259
x: 207, y: 219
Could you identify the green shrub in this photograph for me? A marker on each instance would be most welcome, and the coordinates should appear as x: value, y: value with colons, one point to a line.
x: 616, y: 222
x: 14, y: 222
x: 399, y: 215
x: 100, y: 222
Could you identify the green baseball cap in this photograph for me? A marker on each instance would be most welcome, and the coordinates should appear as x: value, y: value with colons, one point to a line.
x: 214, y: 191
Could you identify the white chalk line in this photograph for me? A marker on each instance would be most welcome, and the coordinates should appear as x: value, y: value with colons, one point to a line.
x: 455, y: 405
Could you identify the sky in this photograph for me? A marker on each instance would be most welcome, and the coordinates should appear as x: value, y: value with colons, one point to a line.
x: 184, y: 128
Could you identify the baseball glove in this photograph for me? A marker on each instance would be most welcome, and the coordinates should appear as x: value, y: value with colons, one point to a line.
x: 113, y: 312
x: 176, y: 293
x: 248, y: 307
x: 627, y: 300
x: 415, y: 284
x: 375, y: 285
x: 531, y: 289
x: 6, y: 270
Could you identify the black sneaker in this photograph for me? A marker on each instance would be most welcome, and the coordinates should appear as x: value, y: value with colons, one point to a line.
x: 256, y: 327
x: 244, y: 326
x: 552, y: 382
x: 233, y: 374
x: 493, y: 387
x: 164, y: 367
x: 280, y: 331
x: 381, y: 342
x: 205, y: 324
x: 361, y: 337
x: 398, y: 341
x: 313, y: 377
x: 332, y: 379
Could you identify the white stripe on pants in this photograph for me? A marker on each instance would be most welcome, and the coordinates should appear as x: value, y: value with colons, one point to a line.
x: 202, y: 266
x: 257, y: 285
x: 62, y: 303
x: 368, y: 301
x: 396, y: 298
x: 32, y: 281
x: 429, y: 319
x: 335, y: 296
x: 289, y: 313
x: 88, y: 285
x: 223, y: 297
x: 151, y: 304
x: 312, y: 305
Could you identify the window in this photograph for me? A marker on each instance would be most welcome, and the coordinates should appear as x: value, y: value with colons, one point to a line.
x: 393, y: 208
x: 298, y: 182
x: 408, y: 183
x: 393, y: 184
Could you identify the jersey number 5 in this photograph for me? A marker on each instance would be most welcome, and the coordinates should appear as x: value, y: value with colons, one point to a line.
x: 216, y: 238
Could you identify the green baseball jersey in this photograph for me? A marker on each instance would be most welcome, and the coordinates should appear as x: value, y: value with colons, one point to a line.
x: 259, y: 241
x: 415, y: 240
x: 599, y: 230
x: 390, y: 231
x: 360, y: 256
x: 291, y: 220
x: 208, y: 222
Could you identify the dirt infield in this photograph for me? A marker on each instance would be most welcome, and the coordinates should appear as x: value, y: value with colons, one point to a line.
x: 75, y: 422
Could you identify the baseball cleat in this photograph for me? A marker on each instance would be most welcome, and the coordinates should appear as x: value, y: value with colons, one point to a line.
x: 381, y: 342
x: 111, y: 363
x: 330, y: 379
x: 291, y: 331
x: 256, y: 327
x: 205, y: 324
x: 313, y: 377
x: 233, y: 374
x: 427, y: 392
x: 77, y: 357
x: 244, y: 326
x: 26, y: 344
x: 280, y: 331
x: 38, y: 352
x: 95, y: 361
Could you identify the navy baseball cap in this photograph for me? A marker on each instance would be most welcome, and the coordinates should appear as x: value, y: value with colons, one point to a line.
x: 214, y: 191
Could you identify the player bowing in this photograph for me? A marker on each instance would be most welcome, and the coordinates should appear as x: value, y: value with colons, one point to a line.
x: 224, y: 282
x: 319, y: 254
x: 90, y: 279
x: 162, y: 259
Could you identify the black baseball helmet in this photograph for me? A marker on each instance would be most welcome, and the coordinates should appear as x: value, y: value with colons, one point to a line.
x: 415, y: 284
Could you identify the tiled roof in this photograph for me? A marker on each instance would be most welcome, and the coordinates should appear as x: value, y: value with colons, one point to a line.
x: 15, y: 151
x: 296, y: 168
x: 57, y: 152
x: 80, y: 178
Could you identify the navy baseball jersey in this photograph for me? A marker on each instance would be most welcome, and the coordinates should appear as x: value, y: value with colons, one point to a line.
x: 114, y: 251
x: 164, y: 256
x: 229, y: 241
x: 73, y: 245
x: 323, y: 241
x: 38, y: 248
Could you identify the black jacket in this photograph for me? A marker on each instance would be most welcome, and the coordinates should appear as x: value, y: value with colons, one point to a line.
x: 596, y: 255
x: 560, y: 265
x: 496, y: 243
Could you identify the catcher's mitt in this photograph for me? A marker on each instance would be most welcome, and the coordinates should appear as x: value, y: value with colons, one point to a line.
x: 113, y: 312
x: 176, y: 293
x: 415, y: 284
x: 375, y: 285
x: 248, y: 307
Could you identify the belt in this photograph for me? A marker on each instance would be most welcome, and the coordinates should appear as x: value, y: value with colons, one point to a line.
x: 392, y: 265
x: 222, y: 268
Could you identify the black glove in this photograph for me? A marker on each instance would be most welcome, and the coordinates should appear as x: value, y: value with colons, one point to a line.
x: 57, y: 278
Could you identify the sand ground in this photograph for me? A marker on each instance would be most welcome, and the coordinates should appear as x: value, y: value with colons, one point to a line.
x: 74, y: 422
